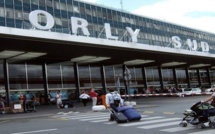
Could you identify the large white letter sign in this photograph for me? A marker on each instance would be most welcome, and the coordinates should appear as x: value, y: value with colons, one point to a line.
x: 33, y: 18
x: 79, y: 23
x: 133, y: 34
x: 204, y: 46
x: 108, y: 32
x: 192, y: 45
x: 176, y: 41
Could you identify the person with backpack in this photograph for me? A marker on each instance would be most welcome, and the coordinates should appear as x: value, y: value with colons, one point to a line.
x: 113, y: 100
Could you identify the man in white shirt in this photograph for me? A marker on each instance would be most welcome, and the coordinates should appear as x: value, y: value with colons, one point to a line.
x: 113, y: 100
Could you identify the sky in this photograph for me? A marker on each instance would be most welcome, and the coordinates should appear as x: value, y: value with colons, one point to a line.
x: 197, y: 14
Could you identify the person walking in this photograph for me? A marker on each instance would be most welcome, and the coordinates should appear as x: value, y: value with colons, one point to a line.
x: 113, y: 100
x: 58, y: 99
x: 84, y: 98
x: 93, y: 95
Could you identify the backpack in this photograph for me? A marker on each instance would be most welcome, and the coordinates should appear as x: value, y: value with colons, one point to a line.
x: 116, y: 99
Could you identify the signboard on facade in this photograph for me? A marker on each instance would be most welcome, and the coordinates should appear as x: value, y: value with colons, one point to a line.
x: 82, y: 24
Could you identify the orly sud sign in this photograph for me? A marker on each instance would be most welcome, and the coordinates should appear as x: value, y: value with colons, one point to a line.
x: 80, y: 23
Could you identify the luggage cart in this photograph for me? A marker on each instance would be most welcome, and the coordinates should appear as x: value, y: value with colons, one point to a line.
x: 30, y: 106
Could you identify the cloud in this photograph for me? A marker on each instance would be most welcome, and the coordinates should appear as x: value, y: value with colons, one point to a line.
x: 183, y: 12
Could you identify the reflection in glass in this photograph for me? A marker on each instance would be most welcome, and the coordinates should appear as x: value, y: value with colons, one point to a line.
x: 54, y: 76
x: 181, y: 76
x: 193, y: 77
x: 168, y: 77
x: 84, y: 75
x: 68, y: 76
x: 152, y: 76
x: 109, y: 75
x: 96, y: 77
x: 17, y: 76
x: 35, y: 76
x: 203, y: 76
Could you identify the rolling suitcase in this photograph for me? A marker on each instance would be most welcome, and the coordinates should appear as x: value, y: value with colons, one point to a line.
x: 130, y: 113
x: 119, y: 117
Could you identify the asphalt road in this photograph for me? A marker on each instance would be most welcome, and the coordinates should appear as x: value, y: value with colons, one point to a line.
x: 162, y: 116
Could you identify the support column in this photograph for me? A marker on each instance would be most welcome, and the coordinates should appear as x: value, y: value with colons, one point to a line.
x: 6, y: 82
x: 175, y: 77
x: 126, y: 90
x: 45, y: 82
x: 188, y: 77
x: 209, y: 76
x: 77, y: 82
x: 199, y: 78
x: 144, y: 77
x: 104, y: 86
x: 160, y: 76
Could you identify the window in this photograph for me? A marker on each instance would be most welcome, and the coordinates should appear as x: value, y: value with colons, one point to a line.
x: 35, y: 77
x: 35, y: 2
x: 70, y: 8
x: 18, y: 15
x: 63, y: 6
x: 58, y: 21
x: 9, y: 13
x: 2, y: 12
x: 76, y: 9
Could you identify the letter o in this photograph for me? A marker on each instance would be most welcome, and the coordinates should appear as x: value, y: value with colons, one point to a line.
x: 34, y: 19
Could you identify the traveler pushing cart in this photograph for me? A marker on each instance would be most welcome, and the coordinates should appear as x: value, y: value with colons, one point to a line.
x: 30, y: 105
x: 120, y: 113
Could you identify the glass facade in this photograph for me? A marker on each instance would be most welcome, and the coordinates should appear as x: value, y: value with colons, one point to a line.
x: 69, y: 79
x: 14, y: 13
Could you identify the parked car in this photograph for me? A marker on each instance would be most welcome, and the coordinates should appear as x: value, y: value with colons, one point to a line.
x: 191, y: 91
x: 209, y: 90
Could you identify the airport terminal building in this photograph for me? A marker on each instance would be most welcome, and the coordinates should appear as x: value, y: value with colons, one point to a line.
x: 72, y: 46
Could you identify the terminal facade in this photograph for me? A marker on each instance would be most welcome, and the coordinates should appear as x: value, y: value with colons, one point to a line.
x: 72, y: 46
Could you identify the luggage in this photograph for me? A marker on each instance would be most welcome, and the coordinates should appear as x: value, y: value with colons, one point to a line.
x: 98, y: 108
x: 119, y: 117
x: 130, y: 113
x: 67, y: 104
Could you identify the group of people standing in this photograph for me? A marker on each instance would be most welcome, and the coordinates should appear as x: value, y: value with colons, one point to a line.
x: 85, y: 97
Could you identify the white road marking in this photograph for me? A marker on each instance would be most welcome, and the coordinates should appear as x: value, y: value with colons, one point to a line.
x: 148, y: 122
x: 176, y: 129
x: 211, y: 131
x: 38, y: 131
x: 158, y: 125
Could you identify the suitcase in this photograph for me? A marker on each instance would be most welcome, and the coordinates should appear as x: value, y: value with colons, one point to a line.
x: 119, y: 117
x: 98, y: 108
x: 67, y: 104
x: 130, y: 113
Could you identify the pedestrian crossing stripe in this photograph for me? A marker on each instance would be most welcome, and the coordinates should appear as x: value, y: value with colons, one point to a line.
x: 168, y: 112
x: 148, y: 112
x: 177, y: 129
x: 146, y: 122
x: 211, y: 131
x: 159, y: 125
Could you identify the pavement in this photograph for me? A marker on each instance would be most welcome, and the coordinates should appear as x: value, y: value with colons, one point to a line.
x: 49, y: 110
